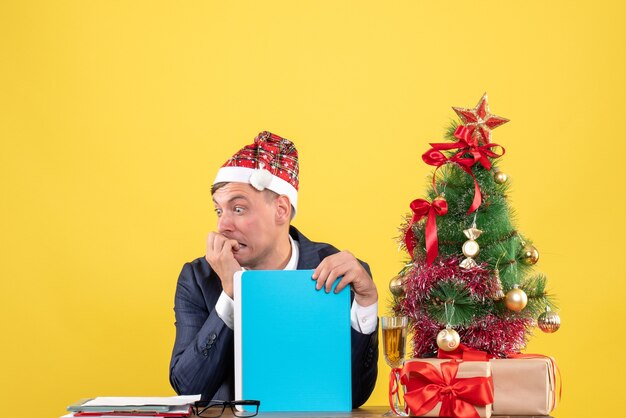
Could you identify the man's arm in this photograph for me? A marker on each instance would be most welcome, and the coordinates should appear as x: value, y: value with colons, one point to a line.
x: 203, y: 351
x: 364, y: 366
x: 364, y: 360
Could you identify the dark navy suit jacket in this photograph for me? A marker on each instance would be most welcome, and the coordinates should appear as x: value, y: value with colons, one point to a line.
x: 203, y: 356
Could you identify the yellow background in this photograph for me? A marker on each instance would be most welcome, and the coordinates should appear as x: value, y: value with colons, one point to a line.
x: 115, y: 115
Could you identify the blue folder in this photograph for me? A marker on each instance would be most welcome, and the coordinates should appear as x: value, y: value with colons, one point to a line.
x: 292, y: 342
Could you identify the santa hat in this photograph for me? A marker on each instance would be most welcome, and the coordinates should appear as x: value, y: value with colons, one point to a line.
x: 270, y: 163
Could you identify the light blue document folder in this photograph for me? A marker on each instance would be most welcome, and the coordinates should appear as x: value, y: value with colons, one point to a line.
x: 292, y: 342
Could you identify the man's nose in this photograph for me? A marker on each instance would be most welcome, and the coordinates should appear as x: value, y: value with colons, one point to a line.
x: 224, y: 223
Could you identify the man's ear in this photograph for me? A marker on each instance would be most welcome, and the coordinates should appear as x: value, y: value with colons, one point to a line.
x: 283, y: 209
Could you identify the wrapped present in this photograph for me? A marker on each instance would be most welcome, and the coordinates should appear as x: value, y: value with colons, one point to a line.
x: 524, y: 386
x: 447, y: 388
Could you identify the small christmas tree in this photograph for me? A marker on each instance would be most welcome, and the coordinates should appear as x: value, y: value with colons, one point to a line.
x: 470, y: 278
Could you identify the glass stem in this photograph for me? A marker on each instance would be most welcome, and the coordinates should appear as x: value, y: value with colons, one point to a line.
x: 396, y: 401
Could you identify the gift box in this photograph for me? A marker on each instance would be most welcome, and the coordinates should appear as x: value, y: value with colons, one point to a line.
x: 524, y: 386
x: 447, y: 388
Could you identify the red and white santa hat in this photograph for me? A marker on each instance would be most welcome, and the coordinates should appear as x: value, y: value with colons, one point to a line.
x: 270, y: 163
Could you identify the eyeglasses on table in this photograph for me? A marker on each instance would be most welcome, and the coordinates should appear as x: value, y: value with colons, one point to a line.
x: 214, y: 408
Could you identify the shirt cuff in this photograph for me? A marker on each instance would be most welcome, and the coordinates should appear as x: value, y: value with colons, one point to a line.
x: 364, y: 319
x: 225, y: 308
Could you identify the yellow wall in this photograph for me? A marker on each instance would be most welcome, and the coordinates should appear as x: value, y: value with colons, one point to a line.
x: 114, y: 116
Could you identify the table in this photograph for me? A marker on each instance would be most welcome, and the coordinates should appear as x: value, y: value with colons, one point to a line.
x: 365, y: 412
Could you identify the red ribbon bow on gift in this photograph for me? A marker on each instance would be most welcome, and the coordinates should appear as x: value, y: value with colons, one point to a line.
x: 427, y: 386
x: 421, y: 208
x: 466, y: 144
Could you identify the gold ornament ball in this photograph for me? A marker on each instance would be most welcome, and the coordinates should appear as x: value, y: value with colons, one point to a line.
x: 530, y: 255
x: 470, y: 248
x: 448, y: 339
x: 500, y: 177
x: 549, y: 321
x: 516, y: 299
x: 396, y: 286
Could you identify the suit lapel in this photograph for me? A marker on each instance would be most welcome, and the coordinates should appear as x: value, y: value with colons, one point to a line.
x: 309, y: 255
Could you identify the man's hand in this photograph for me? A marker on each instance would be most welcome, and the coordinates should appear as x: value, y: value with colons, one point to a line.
x: 346, y: 265
x: 219, y: 254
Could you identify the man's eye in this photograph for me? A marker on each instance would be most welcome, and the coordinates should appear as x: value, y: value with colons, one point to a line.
x: 238, y: 210
x: 218, y: 212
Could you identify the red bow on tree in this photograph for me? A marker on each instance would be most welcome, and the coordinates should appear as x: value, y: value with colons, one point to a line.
x: 466, y: 145
x: 422, y: 208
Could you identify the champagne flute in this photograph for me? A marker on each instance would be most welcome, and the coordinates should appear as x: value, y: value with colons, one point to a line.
x: 394, y: 346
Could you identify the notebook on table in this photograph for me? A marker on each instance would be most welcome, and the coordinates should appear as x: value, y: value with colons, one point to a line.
x: 292, y: 342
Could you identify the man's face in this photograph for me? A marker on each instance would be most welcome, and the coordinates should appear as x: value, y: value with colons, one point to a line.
x: 249, y: 217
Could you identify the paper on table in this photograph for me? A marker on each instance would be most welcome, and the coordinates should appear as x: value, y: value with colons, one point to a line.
x: 177, y: 411
x: 142, y: 401
x: 182, y: 409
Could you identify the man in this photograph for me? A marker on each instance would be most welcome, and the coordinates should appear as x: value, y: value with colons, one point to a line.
x: 255, y: 195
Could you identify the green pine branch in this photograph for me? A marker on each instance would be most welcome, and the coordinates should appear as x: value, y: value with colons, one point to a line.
x: 451, y: 303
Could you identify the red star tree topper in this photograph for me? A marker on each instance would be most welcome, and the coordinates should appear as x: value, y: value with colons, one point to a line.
x: 479, y: 121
